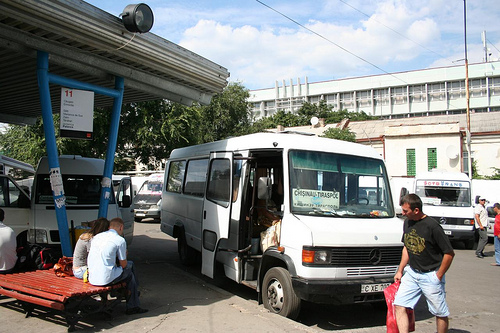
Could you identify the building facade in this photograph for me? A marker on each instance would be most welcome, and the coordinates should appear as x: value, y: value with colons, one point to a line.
x: 414, y: 93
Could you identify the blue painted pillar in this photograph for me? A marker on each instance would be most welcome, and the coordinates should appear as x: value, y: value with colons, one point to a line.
x: 53, y: 158
x: 107, y: 182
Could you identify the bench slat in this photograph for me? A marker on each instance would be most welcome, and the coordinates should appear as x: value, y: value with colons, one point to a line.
x: 32, y: 299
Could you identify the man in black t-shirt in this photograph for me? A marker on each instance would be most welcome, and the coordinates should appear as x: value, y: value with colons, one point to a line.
x: 429, y: 254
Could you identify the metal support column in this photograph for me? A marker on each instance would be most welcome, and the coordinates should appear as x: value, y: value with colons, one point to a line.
x: 53, y: 158
x: 44, y: 78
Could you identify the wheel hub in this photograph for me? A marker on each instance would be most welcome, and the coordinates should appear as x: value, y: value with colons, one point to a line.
x: 275, y: 295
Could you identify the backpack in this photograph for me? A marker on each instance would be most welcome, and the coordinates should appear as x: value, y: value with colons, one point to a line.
x: 33, y: 256
x: 46, y: 258
x: 26, y: 257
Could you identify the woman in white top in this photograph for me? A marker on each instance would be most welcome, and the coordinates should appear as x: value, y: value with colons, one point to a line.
x: 82, y: 247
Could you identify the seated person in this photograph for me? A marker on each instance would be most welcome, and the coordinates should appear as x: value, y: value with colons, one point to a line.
x: 82, y: 246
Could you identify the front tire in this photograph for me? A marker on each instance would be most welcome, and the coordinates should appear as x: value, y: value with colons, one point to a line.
x: 278, y: 295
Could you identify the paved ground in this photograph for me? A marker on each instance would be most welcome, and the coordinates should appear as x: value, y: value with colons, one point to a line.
x: 179, y: 301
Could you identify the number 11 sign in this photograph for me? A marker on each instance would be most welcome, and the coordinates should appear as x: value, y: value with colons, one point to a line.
x: 77, y: 114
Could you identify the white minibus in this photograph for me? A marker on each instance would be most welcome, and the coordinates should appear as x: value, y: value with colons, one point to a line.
x: 446, y: 196
x: 81, y: 178
x: 147, y: 201
x: 296, y: 217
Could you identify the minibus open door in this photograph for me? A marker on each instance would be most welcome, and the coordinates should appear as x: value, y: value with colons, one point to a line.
x: 216, y: 208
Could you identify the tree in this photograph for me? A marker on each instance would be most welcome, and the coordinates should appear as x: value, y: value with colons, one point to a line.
x: 228, y: 114
x: 340, y: 134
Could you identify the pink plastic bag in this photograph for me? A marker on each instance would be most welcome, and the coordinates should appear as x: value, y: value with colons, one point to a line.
x: 390, y: 294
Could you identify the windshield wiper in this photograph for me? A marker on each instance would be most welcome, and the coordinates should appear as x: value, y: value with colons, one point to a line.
x: 322, y: 212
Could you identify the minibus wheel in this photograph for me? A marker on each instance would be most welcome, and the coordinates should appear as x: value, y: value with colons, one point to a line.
x: 278, y: 295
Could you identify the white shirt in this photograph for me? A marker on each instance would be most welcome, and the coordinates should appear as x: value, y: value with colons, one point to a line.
x: 106, y: 248
x: 483, y: 216
x: 8, y: 254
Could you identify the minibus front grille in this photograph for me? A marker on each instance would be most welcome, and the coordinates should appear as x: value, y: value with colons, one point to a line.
x: 365, y: 256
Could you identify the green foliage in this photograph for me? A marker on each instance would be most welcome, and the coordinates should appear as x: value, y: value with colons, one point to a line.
x: 339, y: 134
x: 227, y: 115
x: 495, y: 175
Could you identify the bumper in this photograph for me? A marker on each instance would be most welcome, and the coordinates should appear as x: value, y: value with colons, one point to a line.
x: 459, y: 235
x: 337, y: 291
x: 144, y: 214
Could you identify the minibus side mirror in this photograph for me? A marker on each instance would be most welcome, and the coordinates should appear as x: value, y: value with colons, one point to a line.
x: 264, y: 188
x: 404, y: 191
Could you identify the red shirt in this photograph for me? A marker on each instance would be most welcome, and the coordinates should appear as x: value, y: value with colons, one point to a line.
x: 496, y: 229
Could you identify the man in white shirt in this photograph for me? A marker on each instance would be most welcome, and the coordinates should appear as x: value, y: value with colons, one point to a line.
x: 8, y: 254
x: 108, y: 247
x: 481, y: 223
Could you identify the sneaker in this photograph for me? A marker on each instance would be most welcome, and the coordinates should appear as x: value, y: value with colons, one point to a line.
x: 480, y: 256
x: 136, y: 310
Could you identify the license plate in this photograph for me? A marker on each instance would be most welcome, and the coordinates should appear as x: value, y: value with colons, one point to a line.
x: 447, y: 232
x: 140, y: 214
x: 373, y: 288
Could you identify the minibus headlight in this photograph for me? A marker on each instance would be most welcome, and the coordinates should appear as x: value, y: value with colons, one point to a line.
x: 316, y: 256
x: 468, y: 222
x: 38, y: 236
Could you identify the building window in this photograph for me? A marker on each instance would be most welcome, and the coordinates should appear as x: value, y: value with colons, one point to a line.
x: 398, y: 95
x: 347, y: 100
x: 477, y: 87
x: 436, y: 91
x: 431, y: 158
x: 410, y: 162
x: 417, y: 93
x: 494, y: 86
x: 456, y: 89
x: 381, y: 96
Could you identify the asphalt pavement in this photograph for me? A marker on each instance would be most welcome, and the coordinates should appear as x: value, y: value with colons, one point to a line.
x: 179, y: 301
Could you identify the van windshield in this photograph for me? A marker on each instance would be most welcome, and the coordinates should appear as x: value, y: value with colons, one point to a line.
x: 444, y: 193
x: 336, y: 185
x: 149, y: 193
x: 78, y: 189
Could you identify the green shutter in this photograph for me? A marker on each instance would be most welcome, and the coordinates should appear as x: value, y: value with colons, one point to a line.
x: 410, y: 162
x: 431, y: 158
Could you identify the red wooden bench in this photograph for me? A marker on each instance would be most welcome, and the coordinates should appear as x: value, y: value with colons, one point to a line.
x: 69, y: 295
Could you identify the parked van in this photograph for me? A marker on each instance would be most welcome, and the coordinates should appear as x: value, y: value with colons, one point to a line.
x: 147, y: 201
x: 82, y: 185
x: 295, y: 217
x: 446, y: 196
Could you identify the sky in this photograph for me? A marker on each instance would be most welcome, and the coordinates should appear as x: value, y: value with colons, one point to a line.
x: 264, y: 41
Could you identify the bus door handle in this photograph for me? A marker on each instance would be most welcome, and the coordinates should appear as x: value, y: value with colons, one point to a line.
x: 204, y: 214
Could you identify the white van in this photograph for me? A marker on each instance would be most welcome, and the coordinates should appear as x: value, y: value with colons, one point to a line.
x: 446, y: 196
x: 337, y: 239
x: 147, y: 201
x: 82, y: 184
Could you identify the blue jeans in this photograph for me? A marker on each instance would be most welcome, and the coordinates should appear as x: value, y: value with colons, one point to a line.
x: 414, y: 284
x: 78, y: 272
x: 497, y: 250
x: 128, y: 275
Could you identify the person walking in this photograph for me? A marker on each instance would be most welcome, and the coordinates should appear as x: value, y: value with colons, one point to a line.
x: 496, y: 234
x: 481, y: 223
x: 427, y: 255
x: 107, y: 248
x: 8, y: 253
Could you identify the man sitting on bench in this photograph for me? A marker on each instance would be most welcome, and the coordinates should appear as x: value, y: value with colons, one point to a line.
x: 108, y: 247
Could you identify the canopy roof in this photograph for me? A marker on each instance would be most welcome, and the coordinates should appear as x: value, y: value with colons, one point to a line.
x: 88, y: 44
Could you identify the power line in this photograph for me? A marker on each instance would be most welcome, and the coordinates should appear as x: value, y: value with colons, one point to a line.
x: 393, y: 30
x: 330, y: 41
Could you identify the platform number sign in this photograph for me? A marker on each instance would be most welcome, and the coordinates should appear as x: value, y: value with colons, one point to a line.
x: 77, y: 114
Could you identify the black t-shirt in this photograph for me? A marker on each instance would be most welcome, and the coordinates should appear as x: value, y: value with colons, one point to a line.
x: 426, y: 243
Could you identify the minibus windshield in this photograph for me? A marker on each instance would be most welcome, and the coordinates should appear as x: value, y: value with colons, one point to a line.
x: 78, y: 189
x: 444, y: 193
x: 337, y: 185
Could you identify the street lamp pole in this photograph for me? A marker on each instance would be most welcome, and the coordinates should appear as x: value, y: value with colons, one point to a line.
x: 467, y: 96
